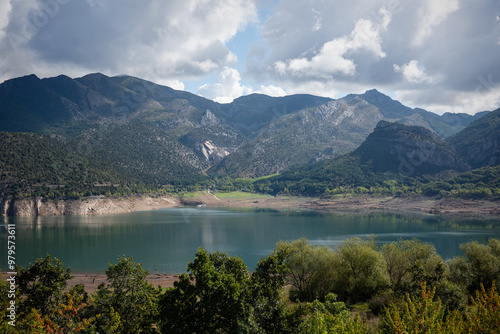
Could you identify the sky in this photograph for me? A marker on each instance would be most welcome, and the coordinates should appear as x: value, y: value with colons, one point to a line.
x: 440, y: 55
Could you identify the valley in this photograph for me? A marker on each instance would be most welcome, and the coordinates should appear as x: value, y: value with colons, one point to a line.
x: 66, y: 140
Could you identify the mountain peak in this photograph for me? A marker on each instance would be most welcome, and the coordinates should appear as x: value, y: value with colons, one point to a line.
x: 373, y: 91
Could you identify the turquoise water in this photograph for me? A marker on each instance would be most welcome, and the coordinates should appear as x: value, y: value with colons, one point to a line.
x: 166, y: 240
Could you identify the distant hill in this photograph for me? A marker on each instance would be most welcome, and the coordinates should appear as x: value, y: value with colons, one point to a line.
x: 392, y: 151
x: 408, y: 150
x: 479, y: 143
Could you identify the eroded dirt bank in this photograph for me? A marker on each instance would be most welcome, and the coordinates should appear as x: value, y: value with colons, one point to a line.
x: 85, y: 206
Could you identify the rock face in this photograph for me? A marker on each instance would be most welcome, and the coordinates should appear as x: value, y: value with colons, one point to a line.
x: 408, y: 150
x: 84, y: 206
x: 212, y: 152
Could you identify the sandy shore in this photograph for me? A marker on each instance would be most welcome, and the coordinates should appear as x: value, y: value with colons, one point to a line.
x: 92, y: 281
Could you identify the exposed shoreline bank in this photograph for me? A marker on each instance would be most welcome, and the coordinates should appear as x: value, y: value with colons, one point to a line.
x: 361, y: 204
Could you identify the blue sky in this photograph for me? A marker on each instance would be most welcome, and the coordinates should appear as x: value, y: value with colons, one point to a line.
x: 441, y: 55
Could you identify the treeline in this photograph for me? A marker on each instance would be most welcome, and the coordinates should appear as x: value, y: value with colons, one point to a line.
x: 298, y: 288
x: 483, y: 183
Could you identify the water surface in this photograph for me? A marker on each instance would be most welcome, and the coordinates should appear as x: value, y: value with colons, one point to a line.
x: 166, y: 240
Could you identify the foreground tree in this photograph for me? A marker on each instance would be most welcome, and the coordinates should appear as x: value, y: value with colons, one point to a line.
x: 128, y: 303
x: 311, y: 269
x: 361, y: 270
x: 481, y: 265
x: 269, y: 311
x: 330, y: 316
x: 212, y: 298
x: 426, y: 314
x: 421, y: 314
x: 42, y: 285
x: 409, y: 262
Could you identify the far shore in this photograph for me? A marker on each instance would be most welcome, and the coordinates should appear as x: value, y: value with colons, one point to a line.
x: 361, y: 204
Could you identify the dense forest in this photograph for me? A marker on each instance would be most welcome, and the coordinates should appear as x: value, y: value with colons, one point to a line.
x: 358, y: 287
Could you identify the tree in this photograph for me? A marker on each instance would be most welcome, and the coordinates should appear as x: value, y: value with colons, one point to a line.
x: 360, y: 269
x: 329, y: 317
x: 409, y: 262
x: 42, y: 285
x: 480, y: 265
x: 267, y: 281
x: 212, y: 298
x: 484, y: 317
x: 421, y: 314
x: 128, y: 295
x: 310, y: 268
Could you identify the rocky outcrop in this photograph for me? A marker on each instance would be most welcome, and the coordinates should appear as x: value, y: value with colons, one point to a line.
x: 212, y: 152
x: 84, y: 206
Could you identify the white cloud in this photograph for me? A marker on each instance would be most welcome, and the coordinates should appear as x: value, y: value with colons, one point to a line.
x: 272, y: 91
x: 229, y: 88
x: 413, y: 73
x: 432, y: 14
x: 175, y: 84
x: 331, y: 58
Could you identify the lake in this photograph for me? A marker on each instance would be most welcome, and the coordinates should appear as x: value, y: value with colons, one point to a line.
x: 166, y: 240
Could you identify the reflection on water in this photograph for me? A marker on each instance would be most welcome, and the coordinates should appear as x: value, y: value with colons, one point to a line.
x: 166, y: 240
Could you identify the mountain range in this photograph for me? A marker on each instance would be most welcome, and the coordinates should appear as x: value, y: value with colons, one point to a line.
x: 128, y: 133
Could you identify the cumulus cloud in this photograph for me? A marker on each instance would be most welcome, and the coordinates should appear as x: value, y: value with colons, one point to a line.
x: 229, y: 87
x: 331, y: 58
x: 413, y: 73
x: 271, y: 91
x: 443, y: 100
x: 169, y: 40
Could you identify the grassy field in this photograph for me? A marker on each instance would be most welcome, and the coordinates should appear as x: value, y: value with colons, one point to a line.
x: 240, y: 195
x: 190, y: 194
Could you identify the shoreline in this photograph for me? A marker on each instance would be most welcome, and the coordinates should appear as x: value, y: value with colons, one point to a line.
x: 347, y: 203
x: 361, y: 204
x: 91, y: 281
